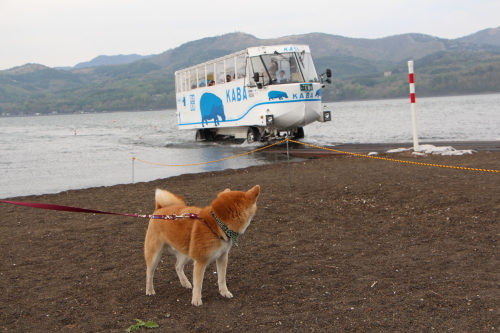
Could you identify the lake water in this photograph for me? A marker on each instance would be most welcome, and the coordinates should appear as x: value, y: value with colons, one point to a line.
x: 50, y: 154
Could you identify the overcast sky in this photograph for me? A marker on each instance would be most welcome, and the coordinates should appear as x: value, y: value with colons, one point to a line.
x: 66, y: 32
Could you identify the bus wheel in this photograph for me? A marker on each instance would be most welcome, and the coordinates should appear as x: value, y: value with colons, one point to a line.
x: 208, y: 135
x: 299, y: 134
x: 253, y: 135
x: 200, y: 135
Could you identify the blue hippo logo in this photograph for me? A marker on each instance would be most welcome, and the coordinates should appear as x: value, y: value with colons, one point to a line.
x: 318, y: 93
x: 211, y: 108
x: 277, y: 94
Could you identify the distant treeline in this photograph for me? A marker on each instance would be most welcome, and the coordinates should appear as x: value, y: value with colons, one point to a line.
x: 74, y: 94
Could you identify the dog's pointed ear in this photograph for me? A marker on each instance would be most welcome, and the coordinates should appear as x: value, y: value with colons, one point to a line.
x: 254, y: 192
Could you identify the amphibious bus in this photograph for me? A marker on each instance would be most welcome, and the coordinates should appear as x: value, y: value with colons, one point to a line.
x: 256, y: 94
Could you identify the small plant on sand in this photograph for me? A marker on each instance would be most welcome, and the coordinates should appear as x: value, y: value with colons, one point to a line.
x: 140, y: 324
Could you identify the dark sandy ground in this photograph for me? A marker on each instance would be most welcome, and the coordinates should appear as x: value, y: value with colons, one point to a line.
x: 339, y: 244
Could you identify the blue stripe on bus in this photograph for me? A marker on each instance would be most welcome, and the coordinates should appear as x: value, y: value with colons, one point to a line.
x: 244, y: 115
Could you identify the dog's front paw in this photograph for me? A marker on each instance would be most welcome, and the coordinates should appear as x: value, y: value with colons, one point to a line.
x: 150, y: 289
x: 197, y: 302
x: 226, y: 294
x: 186, y: 284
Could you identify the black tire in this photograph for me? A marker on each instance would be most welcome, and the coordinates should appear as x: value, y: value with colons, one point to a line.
x: 299, y: 134
x: 200, y: 135
x: 209, y: 135
x: 253, y: 135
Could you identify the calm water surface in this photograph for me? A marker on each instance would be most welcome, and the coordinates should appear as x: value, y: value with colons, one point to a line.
x: 50, y: 154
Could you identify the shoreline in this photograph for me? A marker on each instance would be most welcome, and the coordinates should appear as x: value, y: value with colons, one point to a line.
x: 418, y: 97
x: 305, y: 153
x: 324, y: 102
x: 382, y: 148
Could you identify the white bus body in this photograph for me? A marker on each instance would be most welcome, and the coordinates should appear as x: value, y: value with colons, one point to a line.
x: 255, y: 94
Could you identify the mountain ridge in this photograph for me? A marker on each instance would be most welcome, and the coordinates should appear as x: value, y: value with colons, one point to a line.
x: 485, y: 36
x: 392, y: 48
x: 345, y: 45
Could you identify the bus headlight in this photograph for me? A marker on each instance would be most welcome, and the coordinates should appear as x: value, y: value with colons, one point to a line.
x: 327, y: 116
x: 269, y: 119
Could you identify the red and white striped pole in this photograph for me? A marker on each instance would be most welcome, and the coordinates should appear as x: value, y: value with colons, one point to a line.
x: 411, y: 79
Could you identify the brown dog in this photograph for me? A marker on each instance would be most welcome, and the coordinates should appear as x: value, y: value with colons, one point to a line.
x: 205, y: 236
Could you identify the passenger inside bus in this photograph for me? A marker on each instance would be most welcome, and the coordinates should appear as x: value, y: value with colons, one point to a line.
x: 281, y: 77
x: 228, y: 78
x: 273, y: 68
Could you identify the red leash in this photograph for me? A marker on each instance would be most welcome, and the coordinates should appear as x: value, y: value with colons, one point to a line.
x: 93, y: 211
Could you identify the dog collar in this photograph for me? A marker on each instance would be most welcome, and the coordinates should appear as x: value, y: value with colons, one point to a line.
x: 230, y: 233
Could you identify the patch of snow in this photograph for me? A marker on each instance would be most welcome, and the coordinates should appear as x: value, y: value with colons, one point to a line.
x: 439, y: 150
x: 398, y: 150
x: 431, y: 149
x: 458, y: 152
x: 425, y: 147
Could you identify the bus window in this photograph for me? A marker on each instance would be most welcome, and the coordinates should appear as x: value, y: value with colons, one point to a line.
x: 229, y: 69
x: 241, y: 64
x: 220, y: 77
x: 283, y: 75
x: 281, y: 68
x: 193, y: 80
x: 182, y: 81
x: 210, y: 74
x: 202, y: 77
x: 250, y: 69
x: 307, y: 66
x: 295, y: 73
x: 255, y: 66
x: 271, y: 63
x: 267, y: 66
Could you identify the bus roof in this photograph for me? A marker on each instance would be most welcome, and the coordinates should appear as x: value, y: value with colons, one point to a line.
x: 255, y: 51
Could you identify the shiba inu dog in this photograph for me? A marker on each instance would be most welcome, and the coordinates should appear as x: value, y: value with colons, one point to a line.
x: 201, y: 234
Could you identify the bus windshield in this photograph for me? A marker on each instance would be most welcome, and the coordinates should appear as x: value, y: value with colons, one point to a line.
x: 281, y: 68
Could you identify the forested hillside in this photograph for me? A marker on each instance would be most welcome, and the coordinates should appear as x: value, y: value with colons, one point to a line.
x: 362, y: 69
x: 438, y: 74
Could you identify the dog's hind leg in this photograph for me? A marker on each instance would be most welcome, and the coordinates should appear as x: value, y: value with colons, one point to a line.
x: 198, y: 273
x: 182, y: 260
x: 153, y: 249
x: 221, y: 275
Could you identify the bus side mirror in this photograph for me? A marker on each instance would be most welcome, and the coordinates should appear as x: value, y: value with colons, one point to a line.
x: 328, y: 74
x: 256, y: 77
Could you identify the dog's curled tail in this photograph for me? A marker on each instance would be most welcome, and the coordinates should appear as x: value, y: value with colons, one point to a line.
x: 165, y: 198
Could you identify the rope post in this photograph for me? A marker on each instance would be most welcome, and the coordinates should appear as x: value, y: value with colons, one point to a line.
x: 133, y: 164
x: 289, y: 174
x: 411, y: 79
